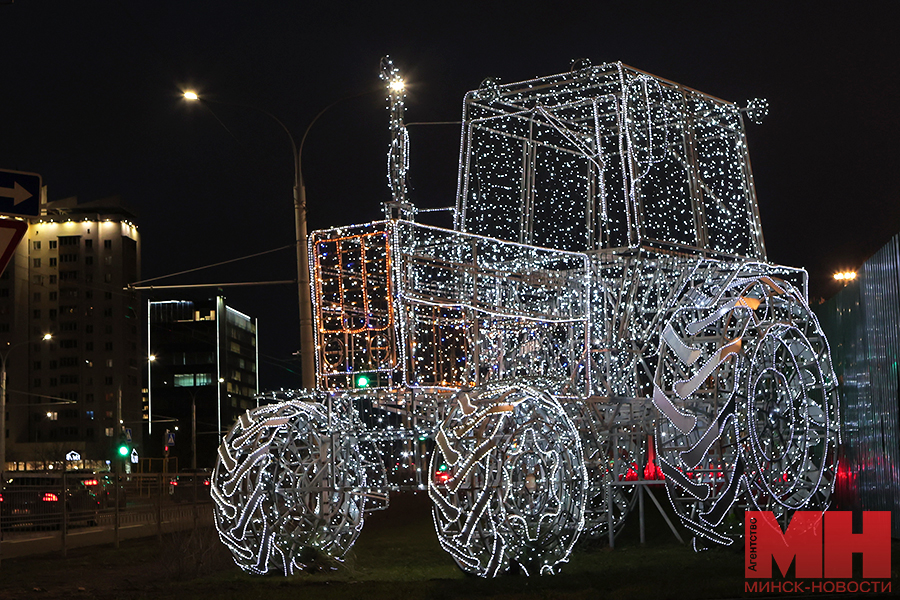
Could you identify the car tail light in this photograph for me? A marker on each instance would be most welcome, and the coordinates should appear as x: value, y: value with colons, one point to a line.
x: 89, y: 482
x: 50, y: 497
x: 442, y: 477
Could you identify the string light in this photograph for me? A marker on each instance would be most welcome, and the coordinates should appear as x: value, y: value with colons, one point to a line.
x: 398, y: 154
x: 274, y: 497
x: 510, y: 484
x: 601, y: 313
x: 749, y: 404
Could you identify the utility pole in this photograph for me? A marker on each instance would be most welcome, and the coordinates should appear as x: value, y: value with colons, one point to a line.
x: 118, y: 459
x: 194, y: 432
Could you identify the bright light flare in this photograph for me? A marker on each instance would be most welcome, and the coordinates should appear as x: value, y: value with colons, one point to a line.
x: 845, y: 275
x: 397, y: 85
x: 191, y: 96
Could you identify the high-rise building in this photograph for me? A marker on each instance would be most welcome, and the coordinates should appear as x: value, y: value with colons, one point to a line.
x: 69, y: 278
x: 202, y: 377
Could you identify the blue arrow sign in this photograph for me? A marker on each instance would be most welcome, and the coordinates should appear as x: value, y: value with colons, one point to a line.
x: 20, y: 193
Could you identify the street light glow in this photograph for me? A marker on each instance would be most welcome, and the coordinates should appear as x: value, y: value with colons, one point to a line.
x: 845, y: 275
x: 191, y: 96
x: 48, y: 336
x: 397, y: 85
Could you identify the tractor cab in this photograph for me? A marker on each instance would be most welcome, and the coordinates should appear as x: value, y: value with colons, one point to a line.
x: 607, y: 157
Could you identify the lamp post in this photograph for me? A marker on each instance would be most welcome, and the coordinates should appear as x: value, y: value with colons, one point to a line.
x: 3, y: 357
x: 307, y: 339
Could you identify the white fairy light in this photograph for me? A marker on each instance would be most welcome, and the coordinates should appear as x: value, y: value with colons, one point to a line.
x: 602, y: 298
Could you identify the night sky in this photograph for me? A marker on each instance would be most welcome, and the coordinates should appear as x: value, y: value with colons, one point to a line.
x: 90, y: 98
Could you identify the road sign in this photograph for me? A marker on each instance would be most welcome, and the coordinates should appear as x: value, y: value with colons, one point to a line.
x: 20, y: 193
x: 128, y: 434
x: 170, y: 438
x: 11, y: 233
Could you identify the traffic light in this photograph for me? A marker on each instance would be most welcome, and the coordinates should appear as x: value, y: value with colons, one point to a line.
x: 362, y: 381
x: 123, y: 448
x: 443, y: 474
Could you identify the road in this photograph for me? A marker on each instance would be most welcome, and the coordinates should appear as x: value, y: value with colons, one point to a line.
x: 135, y: 521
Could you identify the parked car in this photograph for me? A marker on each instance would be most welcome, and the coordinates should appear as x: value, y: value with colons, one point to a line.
x: 36, y: 500
x: 103, y: 484
x: 182, y: 486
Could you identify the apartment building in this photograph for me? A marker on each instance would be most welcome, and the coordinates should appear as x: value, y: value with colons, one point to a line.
x: 69, y: 278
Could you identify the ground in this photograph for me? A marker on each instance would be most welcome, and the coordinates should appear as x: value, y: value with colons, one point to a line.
x: 397, y: 556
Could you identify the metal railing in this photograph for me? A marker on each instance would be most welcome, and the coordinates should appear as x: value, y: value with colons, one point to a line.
x: 96, y: 507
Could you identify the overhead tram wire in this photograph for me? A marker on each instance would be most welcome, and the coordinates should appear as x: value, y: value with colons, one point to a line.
x: 137, y: 284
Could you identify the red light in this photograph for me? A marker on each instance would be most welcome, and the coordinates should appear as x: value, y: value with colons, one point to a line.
x: 50, y: 497
x: 91, y: 482
x: 442, y: 477
x: 206, y: 482
x: 631, y: 474
x: 1, y: 497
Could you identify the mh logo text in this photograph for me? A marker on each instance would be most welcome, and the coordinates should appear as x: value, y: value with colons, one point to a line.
x: 819, y: 544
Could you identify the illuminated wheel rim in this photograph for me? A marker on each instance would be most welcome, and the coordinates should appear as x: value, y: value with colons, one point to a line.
x: 278, y: 505
x: 748, y: 407
x: 509, y: 483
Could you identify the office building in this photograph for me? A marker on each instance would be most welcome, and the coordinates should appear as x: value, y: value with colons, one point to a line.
x: 202, y: 377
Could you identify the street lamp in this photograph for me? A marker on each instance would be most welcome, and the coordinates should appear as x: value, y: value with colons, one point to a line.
x: 307, y: 340
x: 845, y: 277
x: 3, y: 356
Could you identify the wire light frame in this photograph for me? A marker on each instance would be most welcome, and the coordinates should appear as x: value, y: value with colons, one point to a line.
x: 602, y: 312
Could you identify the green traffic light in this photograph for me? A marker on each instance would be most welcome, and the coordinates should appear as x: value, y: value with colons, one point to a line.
x: 362, y: 381
x: 123, y: 450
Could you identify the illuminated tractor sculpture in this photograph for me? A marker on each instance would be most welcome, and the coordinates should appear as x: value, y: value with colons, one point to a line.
x: 604, y: 287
